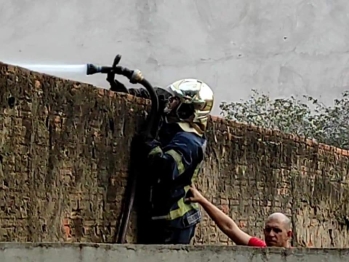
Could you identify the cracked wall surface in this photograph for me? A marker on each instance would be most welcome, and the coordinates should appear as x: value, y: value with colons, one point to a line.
x: 64, y: 156
x: 286, y: 47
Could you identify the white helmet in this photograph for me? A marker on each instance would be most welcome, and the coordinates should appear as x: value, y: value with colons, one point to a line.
x: 194, y: 102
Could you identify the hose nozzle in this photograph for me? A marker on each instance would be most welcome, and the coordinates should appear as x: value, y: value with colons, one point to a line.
x: 92, y: 69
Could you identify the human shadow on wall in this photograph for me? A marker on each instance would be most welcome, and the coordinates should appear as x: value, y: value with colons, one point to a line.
x: 135, y: 197
x: 137, y: 192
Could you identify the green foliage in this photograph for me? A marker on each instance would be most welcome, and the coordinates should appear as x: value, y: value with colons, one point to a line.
x: 326, y: 124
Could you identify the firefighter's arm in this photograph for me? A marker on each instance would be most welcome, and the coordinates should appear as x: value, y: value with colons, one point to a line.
x: 174, y: 159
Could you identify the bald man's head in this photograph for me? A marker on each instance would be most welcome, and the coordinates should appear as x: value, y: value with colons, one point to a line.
x: 277, y: 231
x: 280, y: 217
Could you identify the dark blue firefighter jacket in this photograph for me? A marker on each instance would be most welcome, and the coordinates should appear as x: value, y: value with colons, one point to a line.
x: 174, y: 163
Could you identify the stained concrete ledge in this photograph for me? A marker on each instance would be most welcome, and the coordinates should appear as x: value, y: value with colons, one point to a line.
x: 57, y: 252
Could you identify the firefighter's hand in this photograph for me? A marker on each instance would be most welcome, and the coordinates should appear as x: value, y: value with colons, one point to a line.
x: 194, y: 196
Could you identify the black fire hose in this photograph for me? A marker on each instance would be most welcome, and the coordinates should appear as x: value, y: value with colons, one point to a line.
x: 149, y: 130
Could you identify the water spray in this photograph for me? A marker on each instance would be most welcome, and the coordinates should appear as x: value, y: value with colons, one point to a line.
x: 80, y: 69
x: 87, y: 69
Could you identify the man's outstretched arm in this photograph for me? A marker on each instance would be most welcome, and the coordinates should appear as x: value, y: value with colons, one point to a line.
x: 224, y: 222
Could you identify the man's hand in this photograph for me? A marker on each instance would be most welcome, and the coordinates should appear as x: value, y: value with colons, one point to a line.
x: 194, y: 196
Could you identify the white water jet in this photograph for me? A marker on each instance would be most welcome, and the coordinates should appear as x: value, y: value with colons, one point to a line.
x: 74, y: 69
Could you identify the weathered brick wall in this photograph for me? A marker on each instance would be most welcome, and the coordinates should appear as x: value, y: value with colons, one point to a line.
x: 64, y: 156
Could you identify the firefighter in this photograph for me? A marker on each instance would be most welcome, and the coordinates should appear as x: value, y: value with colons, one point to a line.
x: 174, y: 162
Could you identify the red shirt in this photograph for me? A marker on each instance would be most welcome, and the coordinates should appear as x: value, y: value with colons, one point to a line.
x: 256, y: 242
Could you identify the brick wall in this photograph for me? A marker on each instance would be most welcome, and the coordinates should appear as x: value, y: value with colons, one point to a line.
x: 251, y: 172
x: 64, y: 155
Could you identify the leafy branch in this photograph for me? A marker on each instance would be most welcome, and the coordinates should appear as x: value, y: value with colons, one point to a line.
x: 326, y: 124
